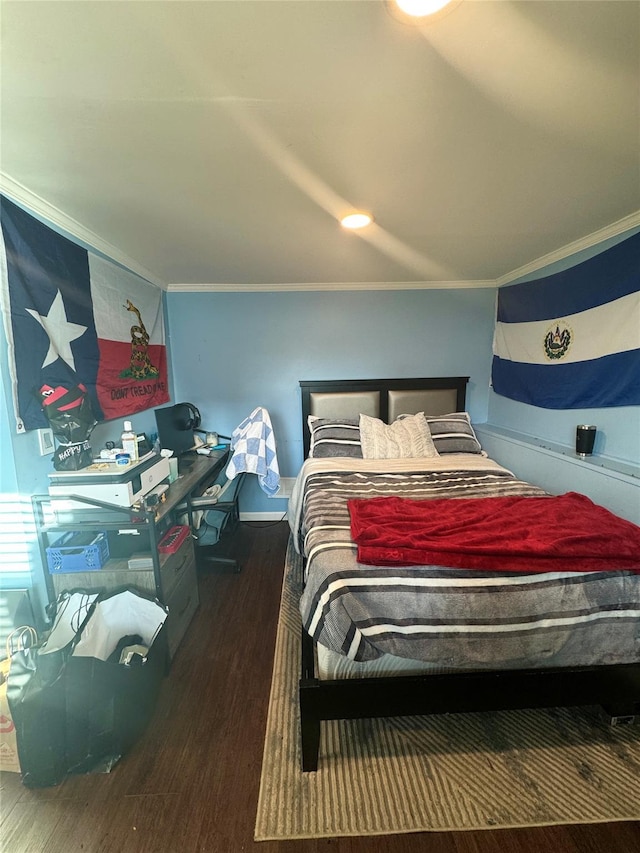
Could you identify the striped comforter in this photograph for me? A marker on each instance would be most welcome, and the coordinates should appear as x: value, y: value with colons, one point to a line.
x: 451, y: 617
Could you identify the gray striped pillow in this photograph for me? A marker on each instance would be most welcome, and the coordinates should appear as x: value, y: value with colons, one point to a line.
x: 331, y: 437
x: 453, y: 433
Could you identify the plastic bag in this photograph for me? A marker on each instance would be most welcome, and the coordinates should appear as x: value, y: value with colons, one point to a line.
x: 18, y: 639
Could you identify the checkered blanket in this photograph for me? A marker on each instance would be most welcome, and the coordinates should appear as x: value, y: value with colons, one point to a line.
x: 254, y: 451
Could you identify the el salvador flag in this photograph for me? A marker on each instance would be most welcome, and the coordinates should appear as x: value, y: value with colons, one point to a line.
x: 572, y: 340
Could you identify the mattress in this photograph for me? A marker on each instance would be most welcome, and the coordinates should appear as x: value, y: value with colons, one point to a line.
x: 448, y: 619
x: 330, y: 666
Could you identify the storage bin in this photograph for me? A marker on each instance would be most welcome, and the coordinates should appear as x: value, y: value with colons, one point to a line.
x: 78, y: 552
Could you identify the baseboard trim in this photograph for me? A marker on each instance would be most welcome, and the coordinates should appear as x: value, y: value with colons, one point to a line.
x: 263, y: 516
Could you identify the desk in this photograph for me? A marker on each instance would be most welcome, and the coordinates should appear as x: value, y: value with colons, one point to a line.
x: 198, y: 473
x: 201, y: 472
x: 133, y: 535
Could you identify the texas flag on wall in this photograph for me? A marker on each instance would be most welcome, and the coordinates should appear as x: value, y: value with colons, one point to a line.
x: 71, y: 317
x: 572, y: 340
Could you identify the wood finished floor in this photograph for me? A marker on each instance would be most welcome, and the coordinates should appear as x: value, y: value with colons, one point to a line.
x: 191, y: 783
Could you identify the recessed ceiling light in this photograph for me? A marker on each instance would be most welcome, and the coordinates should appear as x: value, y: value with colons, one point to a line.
x: 356, y: 220
x: 420, y: 8
x: 420, y: 11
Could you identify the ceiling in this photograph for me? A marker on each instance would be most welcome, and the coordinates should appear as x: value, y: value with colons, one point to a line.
x: 213, y: 145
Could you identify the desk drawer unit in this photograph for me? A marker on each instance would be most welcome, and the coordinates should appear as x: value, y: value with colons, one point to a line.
x: 182, y: 603
x: 174, y: 566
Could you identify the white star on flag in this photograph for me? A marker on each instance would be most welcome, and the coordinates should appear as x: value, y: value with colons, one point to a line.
x: 60, y: 331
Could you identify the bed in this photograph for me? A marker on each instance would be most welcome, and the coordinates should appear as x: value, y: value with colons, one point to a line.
x: 396, y: 639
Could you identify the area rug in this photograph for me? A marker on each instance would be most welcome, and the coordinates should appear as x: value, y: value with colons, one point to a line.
x: 437, y: 773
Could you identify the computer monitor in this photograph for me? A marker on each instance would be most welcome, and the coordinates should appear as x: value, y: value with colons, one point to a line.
x: 171, y: 432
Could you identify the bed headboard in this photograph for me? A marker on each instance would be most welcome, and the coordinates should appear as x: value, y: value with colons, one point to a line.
x: 380, y: 398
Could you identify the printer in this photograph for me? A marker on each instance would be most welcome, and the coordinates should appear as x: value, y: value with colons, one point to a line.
x: 108, y: 482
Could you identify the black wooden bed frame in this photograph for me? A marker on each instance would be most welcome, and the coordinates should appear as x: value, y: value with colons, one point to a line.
x: 616, y: 688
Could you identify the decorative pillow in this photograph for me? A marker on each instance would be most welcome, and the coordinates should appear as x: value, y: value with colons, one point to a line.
x: 404, y: 438
x: 453, y: 433
x: 334, y: 437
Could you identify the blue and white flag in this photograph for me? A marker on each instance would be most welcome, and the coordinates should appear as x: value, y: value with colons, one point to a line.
x: 572, y: 340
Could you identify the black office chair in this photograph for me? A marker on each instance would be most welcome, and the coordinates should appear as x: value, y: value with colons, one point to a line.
x: 219, y: 505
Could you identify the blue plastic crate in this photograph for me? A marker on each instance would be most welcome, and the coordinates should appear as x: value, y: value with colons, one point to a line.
x: 71, y: 553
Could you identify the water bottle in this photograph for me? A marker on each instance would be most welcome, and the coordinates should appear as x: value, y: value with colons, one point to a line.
x: 129, y: 442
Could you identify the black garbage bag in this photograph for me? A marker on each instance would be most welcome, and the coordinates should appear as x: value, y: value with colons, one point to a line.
x: 35, y: 693
x: 76, y: 707
x: 71, y: 418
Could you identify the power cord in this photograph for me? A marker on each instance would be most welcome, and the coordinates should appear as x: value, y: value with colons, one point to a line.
x: 267, y: 524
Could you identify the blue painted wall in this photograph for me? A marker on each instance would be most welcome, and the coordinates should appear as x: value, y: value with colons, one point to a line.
x: 235, y: 351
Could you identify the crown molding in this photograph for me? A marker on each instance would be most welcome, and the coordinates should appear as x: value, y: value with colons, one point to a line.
x: 584, y: 243
x: 627, y: 223
x: 54, y: 216
x: 329, y: 285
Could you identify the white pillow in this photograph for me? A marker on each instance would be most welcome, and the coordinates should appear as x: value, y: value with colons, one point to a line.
x: 403, y: 439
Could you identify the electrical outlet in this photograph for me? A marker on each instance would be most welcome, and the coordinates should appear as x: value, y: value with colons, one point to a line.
x: 45, y: 441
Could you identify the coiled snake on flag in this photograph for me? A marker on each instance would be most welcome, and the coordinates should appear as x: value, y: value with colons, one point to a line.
x: 140, y: 366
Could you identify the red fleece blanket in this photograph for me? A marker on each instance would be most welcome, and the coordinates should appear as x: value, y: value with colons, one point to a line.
x: 516, y: 534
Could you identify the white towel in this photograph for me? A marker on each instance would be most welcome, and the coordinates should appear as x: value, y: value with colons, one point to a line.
x: 254, y: 451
